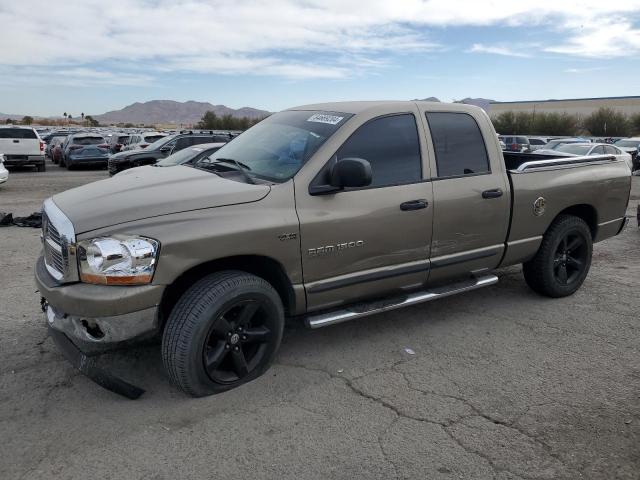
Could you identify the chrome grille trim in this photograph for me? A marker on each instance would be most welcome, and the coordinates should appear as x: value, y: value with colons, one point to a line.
x: 58, y: 241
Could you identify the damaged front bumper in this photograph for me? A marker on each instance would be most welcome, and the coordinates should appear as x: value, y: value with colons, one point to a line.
x: 88, y: 366
x: 87, y: 320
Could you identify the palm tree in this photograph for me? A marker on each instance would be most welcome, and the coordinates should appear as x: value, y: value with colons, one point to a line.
x: 64, y: 115
x: 82, y: 115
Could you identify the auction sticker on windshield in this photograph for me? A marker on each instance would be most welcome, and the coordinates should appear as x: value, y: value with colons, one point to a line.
x: 323, y: 118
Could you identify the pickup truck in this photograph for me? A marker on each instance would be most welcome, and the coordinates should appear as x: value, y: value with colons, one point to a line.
x: 321, y: 213
x: 21, y: 146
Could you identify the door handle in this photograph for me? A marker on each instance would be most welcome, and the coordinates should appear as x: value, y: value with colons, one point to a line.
x: 414, y: 205
x: 495, y: 193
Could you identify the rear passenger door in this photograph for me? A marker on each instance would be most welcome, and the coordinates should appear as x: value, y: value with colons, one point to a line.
x: 471, y: 195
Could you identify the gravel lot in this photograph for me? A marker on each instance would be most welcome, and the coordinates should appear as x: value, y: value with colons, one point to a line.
x: 504, y: 384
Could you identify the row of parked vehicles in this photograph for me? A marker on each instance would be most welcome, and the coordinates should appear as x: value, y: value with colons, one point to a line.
x: 626, y: 149
x: 22, y: 146
x: 120, y: 151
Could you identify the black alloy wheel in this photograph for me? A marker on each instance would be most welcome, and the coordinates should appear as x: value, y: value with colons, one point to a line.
x: 237, y: 341
x: 570, y: 259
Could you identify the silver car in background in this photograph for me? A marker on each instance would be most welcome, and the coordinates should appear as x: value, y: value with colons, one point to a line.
x: 587, y: 149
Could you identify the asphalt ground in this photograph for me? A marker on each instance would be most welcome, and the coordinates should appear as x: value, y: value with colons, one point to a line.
x: 499, y: 383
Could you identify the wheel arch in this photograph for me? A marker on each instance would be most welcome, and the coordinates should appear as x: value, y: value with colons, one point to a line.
x: 262, y: 266
x: 586, y: 212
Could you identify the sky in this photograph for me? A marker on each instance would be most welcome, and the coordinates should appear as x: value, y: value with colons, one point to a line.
x: 92, y: 56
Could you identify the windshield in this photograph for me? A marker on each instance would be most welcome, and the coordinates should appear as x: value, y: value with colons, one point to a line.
x: 161, y: 142
x: 628, y: 143
x: 180, y: 157
x: 277, y: 147
x: 576, y: 149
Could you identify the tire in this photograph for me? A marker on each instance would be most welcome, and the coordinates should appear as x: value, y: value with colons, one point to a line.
x: 231, y: 320
x: 563, y: 260
x: 41, y: 168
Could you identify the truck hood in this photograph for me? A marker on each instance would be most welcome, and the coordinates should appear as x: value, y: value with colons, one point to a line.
x: 150, y: 193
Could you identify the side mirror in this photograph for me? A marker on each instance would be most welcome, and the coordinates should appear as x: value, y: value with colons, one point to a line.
x: 165, y: 149
x: 346, y: 173
x: 350, y: 173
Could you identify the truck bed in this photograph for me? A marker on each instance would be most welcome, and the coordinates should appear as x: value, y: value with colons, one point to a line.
x: 598, y: 186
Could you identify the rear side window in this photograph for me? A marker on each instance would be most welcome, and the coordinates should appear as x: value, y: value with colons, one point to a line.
x: 458, y: 143
x: 152, y: 138
x: 522, y: 140
x: 22, y: 133
x: 390, y: 144
x: 199, y: 140
x: 536, y: 141
x: 611, y: 150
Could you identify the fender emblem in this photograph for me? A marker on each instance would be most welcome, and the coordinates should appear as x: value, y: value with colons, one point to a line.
x: 539, y: 206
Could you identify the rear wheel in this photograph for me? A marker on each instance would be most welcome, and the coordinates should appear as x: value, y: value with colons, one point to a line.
x: 223, y: 332
x: 563, y: 260
x: 41, y: 168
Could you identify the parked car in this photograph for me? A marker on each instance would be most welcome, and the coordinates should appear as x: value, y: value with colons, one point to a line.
x: 516, y: 143
x: 54, y: 147
x: 4, y: 173
x: 84, y: 149
x: 556, y: 142
x: 21, y: 146
x: 161, y: 149
x: 49, y: 139
x: 536, y: 143
x: 141, y: 140
x: 588, y: 149
x: 326, y: 213
x: 117, y: 141
x: 632, y: 147
x: 188, y: 156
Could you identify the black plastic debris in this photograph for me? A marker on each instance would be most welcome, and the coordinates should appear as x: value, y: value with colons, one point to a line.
x: 34, y: 220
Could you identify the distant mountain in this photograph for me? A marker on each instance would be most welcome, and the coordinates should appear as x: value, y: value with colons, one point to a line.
x: 429, y: 99
x: 4, y: 116
x: 169, y: 111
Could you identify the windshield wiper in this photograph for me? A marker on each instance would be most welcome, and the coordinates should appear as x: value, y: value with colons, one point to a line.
x: 233, y: 160
x: 242, y: 168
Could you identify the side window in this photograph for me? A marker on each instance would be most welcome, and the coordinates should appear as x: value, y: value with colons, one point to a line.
x: 599, y: 150
x: 391, y: 145
x: 181, y: 143
x: 199, y: 140
x: 610, y: 150
x: 458, y: 143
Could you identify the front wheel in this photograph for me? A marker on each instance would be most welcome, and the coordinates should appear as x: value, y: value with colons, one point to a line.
x: 563, y: 260
x: 223, y: 332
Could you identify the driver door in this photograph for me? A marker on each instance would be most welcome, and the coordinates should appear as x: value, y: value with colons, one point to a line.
x: 372, y: 241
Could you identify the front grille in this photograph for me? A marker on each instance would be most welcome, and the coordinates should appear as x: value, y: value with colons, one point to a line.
x: 54, y: 247
x: 57, y: 241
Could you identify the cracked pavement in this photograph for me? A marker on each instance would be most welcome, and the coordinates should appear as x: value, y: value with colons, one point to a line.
x: 504, y: 385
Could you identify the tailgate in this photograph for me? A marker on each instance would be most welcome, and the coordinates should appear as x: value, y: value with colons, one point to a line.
x: 20, y: 146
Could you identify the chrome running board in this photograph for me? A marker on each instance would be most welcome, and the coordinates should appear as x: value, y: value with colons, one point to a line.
x: 377, y: 306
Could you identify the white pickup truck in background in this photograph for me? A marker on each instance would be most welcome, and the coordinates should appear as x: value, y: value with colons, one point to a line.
x: 21, y: 146
x: 4, y: 173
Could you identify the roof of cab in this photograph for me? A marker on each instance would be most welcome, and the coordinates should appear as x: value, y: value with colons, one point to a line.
x: 362, y: 106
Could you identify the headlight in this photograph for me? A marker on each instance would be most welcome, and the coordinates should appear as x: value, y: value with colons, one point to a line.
x: 117, y: 260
